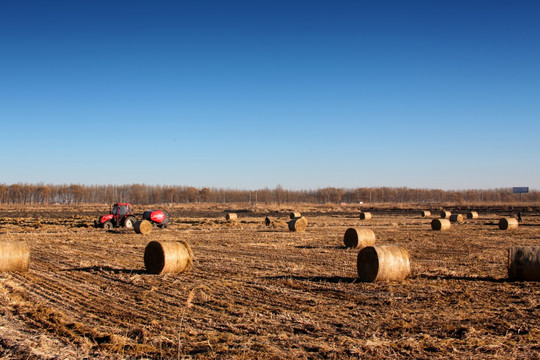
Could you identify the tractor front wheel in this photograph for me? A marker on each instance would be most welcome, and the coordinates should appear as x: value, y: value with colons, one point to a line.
x: 129, y: 222
x: 107, y: 225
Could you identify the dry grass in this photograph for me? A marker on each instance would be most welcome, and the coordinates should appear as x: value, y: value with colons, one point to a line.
x: 264, y: 292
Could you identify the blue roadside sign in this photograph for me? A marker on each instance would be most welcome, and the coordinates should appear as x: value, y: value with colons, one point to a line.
x: 520, y: 190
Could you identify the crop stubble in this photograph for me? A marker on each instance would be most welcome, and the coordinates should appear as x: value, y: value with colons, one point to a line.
x: 264, y: 292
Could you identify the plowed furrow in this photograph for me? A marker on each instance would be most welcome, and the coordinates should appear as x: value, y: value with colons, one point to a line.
x: 72, y: 293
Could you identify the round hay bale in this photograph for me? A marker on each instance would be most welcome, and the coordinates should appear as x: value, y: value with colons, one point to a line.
x: 355, y: 237
x: 142, y: 227
x: 231, y: 216
x: 365, y: 216
x: 162, y: 257
x: 456, y: 218
x: 472, y: 215
x: 426, y: 213
x: 298, y: 224
x: 295, y: 214
x: 440, y: 224
x: 524, y: 263
x: 508, y: 224
x: 382, y: 263
x: 14, y: 256
x: 445, y: 214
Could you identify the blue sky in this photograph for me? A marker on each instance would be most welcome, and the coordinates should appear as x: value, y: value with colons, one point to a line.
x: 255, y: 94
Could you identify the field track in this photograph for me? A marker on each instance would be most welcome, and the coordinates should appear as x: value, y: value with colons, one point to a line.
x: 265, y: 292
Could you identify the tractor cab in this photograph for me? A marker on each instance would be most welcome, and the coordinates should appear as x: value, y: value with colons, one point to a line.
x: 120, y: 210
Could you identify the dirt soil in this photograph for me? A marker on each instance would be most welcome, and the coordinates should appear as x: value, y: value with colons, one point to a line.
x: 265, y: 292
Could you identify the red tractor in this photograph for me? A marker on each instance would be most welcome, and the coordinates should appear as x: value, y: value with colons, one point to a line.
x: 121, y: 216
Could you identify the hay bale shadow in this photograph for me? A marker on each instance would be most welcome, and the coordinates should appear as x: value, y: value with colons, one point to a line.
x: 342, y: 247
x: 316, y: 279
x: 466, y: 278
x: 119, y: 231
x: 107, y: 269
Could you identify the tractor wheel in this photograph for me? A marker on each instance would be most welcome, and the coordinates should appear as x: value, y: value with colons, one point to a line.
x: 107, y: 225
x: 129, y: 222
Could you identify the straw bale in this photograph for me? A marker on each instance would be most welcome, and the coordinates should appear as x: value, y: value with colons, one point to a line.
x: 508, y: 224
x: 440, y: 224
x: 445, y: 214
x: 14, y: 256
x: 162, y: 257
x: 426, y: 213
x: 524, y: 263
x: 358, y: 237
x: 298, y: 224
x: 142, y: 227
x: 231, y: 216
x: 456, y: 218
x: 365, y: 215
x: 472, y: 215
x: 295, y: 214
x: 383, y: 263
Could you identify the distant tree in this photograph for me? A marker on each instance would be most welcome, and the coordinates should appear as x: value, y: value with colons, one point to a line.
x: 204, y: 194
x: 43, y: 193
x: 193, y: 194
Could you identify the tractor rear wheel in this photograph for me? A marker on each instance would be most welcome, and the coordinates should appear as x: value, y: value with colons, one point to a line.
x: 107, y: 225
x: 129, y: 222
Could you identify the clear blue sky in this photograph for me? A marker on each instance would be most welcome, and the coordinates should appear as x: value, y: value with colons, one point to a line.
x: 253, y: 94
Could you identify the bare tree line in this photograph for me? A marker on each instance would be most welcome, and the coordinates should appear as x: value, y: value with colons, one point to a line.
x: 158, y: 194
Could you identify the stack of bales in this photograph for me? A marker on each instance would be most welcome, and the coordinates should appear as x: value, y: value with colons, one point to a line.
x: 298, y: 223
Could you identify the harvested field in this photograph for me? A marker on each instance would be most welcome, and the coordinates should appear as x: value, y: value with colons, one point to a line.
x: 265, y: 292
